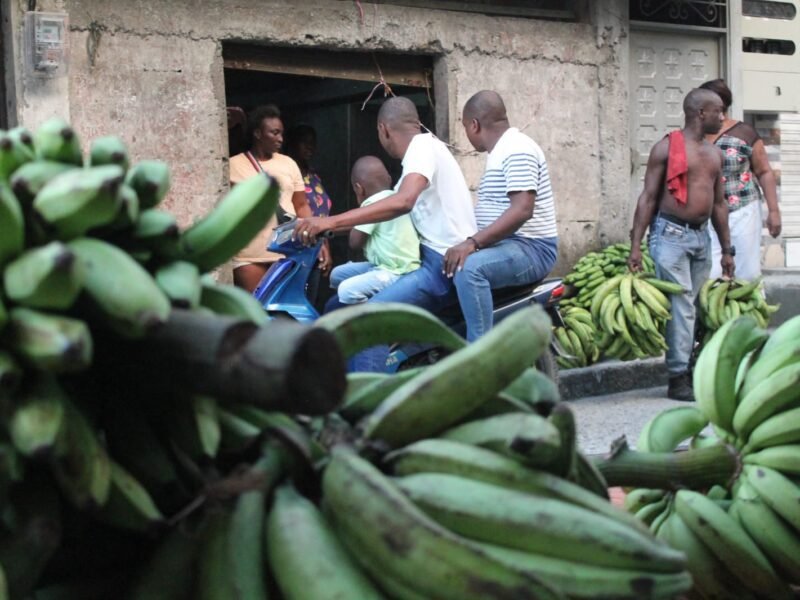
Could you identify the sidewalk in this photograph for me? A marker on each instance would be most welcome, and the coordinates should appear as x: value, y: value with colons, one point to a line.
x: 602, y: 419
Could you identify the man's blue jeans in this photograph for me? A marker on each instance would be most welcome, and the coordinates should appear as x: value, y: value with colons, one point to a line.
x: 682, y: 255
x: 427, y: 287
x: 513, y: 261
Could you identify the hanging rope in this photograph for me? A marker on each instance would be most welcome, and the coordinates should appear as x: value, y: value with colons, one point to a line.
x: 360, y: 11
x: 387, y: 89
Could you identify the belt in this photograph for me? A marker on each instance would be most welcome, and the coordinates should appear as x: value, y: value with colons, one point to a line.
x: 681, y: 222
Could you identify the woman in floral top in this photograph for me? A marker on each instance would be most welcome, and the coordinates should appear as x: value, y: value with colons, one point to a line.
x: 747, y: 174
x: 301, y: 145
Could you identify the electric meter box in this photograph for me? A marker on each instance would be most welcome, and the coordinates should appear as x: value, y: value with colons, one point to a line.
x: 46, y: 44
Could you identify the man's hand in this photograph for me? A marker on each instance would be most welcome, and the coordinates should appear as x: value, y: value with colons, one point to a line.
x: 774, y: 223
x: 456, y: 256
x: 635, y: 260
x: 307, y: 230
x: 728, y: 265
x: 325, y: 260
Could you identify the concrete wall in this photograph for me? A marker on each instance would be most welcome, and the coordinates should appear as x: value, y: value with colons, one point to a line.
x: 152, y: 73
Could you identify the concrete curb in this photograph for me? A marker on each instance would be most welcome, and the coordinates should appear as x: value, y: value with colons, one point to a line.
x: 612, y: 377
x: 782, y: 286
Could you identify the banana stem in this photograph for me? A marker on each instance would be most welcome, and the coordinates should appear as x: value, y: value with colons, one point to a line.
x: 282, y: 365
x: 694, y: 469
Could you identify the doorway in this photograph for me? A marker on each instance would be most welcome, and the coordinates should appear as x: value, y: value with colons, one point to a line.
x: 339, y: 95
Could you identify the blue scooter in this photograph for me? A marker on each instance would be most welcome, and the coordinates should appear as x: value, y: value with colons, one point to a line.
x: 284, y: 292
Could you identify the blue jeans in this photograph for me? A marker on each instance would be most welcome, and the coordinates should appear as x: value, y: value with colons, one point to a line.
x: 682, y: 255
x: 357, y: 282
x: 427, y: 287
x: 513, y: 261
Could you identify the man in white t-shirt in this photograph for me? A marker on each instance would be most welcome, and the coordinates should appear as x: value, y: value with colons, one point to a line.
x: 432, y: 189
x: 517, y: 240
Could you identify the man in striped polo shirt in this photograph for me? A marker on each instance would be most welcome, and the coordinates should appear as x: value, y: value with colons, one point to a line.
x: 517, y: 239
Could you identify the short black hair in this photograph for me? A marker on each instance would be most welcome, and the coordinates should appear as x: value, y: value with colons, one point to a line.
x: 697, y: 99
x: 257, y: 116
x: 398, y: 111
x: 486, y: 106
x: 371, y: 170
x: 721, y: 89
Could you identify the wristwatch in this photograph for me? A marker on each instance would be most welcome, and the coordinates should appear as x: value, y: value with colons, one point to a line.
x: 731, y: 250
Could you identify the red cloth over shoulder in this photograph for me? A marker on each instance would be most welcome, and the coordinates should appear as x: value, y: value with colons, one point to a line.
x: 678, y: 167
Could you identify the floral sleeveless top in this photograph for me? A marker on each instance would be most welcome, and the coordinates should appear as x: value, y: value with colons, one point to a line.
x: 318, y: 199
x: 741, y: 187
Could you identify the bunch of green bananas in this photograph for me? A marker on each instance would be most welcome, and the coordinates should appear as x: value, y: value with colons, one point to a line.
x: 631, y: 312
x: 471, y: 491
x: 595, y: 268
x: 743, y: 539
x: 457, y: 480
x: 724, y: 299
x: 127, y: 470
x: 94, y: 233
x: 596, y: 323
x: 87, y: 258
x: 577, y: 338
x: 756, y: 410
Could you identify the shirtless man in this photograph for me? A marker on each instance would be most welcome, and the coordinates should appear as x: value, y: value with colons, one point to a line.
x: 677, y: 216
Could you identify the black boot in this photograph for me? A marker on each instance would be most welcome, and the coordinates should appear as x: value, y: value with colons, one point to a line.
x: 680, y: 388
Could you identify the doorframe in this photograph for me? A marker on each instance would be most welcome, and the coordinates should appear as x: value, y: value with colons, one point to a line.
x: 6, y: 60
x: 424, y: 71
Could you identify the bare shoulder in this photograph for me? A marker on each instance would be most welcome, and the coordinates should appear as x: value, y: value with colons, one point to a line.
x: 660, y: 150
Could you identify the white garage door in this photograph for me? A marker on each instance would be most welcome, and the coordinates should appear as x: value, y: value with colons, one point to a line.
x: 663, y: 68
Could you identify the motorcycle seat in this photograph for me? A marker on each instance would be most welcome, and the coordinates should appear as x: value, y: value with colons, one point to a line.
x: 500, y: 296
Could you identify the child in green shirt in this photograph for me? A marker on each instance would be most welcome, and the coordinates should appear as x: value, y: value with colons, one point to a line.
x: 391, y: 248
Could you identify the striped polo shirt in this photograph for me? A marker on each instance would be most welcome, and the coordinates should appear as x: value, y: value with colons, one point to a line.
x: 517, y: 164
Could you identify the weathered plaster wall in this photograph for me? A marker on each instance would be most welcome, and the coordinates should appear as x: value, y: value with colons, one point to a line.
x: 31, y: 100
x: 152, y: 73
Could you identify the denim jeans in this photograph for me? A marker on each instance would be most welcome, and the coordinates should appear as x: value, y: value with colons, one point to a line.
x: 682, y: 255
x: 513, y: 261
x: 357, y: 282
x: 427, y: 287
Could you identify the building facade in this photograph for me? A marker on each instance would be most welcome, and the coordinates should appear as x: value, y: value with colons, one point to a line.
x: 595, y: 83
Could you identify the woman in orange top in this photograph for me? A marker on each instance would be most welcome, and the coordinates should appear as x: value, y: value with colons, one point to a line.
x: 266, y: 138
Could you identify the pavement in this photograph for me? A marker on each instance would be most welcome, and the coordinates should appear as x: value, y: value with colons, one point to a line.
x: 602, y: 419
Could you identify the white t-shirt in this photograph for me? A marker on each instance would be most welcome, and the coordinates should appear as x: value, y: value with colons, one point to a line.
x: 517, y: 164
x: 443, y: 215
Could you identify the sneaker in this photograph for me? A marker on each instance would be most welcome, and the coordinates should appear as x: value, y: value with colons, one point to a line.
x: 680, y: 388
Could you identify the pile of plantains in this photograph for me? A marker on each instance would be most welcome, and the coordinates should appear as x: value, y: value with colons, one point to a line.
x: 160, y: 439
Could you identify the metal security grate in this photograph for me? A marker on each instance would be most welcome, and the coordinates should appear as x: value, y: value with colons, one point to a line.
x: 696, y: 13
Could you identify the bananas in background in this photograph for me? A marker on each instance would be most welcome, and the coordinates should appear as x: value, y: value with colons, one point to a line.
x: 595, y: 268
x: 596, y: 322
x: 721, y: 300
x: 625, y: 320
x: 741, y: 540
x: 577, y: 338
